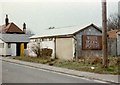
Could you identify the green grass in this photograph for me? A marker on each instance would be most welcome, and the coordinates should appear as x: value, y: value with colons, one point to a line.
x: 87, y: 67
x: 113, y: 66
x: 33, y: 59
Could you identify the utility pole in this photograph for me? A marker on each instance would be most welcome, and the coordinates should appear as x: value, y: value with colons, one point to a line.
x: 104, y: 36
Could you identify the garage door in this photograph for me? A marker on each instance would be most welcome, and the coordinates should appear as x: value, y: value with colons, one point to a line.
x: 64, y: 48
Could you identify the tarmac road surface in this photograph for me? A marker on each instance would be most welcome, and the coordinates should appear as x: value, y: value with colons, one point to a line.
x: 15, y: 73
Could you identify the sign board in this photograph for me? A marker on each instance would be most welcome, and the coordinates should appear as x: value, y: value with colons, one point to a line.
x: 91, y: 42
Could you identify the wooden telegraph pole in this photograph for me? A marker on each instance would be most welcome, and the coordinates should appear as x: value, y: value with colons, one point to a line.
x: 104, y: 36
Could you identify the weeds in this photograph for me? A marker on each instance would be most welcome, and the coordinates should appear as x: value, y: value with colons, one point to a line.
x: 89, y: 64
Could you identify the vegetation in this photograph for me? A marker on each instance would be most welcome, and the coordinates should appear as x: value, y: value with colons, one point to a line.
x: 93, y: 64
x: 114, y: 22
x: 41, y: 60
x: 89, y: 64
x: 41, y: 52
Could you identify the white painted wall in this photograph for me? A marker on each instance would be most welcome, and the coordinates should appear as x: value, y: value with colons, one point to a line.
x: 48, y: 44
x: 118, y: 43
x: 1, y: 49
x: 13, y: 49
x: 43, y: 44
x: 29, y: 49
x: 8, y: 50
x: 5, y: 51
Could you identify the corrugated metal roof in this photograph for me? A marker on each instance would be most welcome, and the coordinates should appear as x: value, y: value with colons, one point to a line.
x: 14, y: 37
x: 61, y: 31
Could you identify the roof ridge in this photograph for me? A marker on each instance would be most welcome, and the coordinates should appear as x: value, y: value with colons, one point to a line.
x: 65, y: 31
x: 74, y: 26
x: 8, y: 27
x: 13, y: 24
x: 66, y: 26
x: 63, y: 27
x: 17, y: 26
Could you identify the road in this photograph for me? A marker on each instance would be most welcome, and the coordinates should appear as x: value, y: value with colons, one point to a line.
x: 15, y: 73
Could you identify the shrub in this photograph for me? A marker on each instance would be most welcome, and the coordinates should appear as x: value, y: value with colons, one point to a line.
x: 46, y: 52
x: 114, y: 61
x: 93, y: 60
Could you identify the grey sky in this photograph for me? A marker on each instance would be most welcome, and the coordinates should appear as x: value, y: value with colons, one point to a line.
x: 41, y: 15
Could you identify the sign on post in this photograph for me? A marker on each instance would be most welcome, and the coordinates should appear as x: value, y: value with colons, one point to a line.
x: 91, y: 42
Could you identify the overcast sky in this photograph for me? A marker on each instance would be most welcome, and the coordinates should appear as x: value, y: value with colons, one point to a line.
x: 39, y: 15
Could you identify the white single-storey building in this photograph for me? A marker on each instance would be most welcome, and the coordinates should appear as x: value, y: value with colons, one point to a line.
x: 71, y: 42
x: 11, y: 44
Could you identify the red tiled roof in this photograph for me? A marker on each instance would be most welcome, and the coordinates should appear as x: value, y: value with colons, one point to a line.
x: 10, y: 28
x: 112, y: 33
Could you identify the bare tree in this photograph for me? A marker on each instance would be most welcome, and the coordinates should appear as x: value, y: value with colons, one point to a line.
x: 36, y: 49
x: 29, y: 32
x: 114, y: 22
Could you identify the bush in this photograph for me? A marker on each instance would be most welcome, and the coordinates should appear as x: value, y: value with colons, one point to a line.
x: 114, y: 61
x: 46, y: 52
x: 98, y: 60
x: 93, y: 60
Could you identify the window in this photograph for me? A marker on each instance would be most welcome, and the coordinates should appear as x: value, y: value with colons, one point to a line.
x: 50, y: 39
x: 9, y: 45
x: 1, y: 45
x: 40, y: 40
x: 44, y: 39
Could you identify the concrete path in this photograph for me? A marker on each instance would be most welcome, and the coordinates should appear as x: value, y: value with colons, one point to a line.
x: 101, y: 77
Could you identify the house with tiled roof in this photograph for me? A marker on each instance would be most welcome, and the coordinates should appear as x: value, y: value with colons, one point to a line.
x: 112, y: 33
x: 112, y: 42
x: 10, y: 28
x: 13, y: 40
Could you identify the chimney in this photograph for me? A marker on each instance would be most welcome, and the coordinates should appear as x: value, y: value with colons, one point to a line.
x: 6, y: 20
x: 24, y: 28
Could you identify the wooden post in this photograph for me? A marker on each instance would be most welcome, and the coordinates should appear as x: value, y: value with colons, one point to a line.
x: 104, y: 38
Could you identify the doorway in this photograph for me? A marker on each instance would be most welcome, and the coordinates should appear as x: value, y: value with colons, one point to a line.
x: 18, y: 49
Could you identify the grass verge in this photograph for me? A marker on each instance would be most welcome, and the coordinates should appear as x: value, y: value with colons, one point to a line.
x: 88, y: 65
